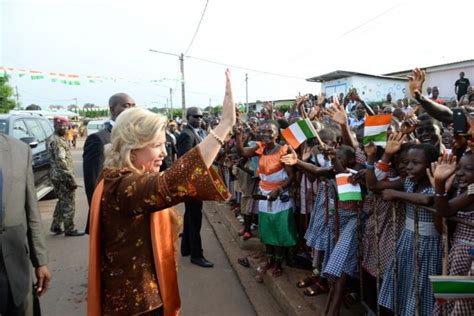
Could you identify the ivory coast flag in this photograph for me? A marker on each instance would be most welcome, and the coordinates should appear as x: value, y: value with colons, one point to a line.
x: 36, y: 75
x: 375, y: 129
x: 53, y: 77
x: 73, y: 80
x: 298, y: 132
x: 453, y: 287
x: 62, y: 78
x: 21, y: 73
x: 346, y: 190
x: 91, y: 79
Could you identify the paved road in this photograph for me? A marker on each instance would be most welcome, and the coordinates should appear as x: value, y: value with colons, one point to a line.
x: 215, y: 291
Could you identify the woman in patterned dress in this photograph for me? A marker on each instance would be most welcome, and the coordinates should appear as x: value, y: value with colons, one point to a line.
x: 133, y: 231
x: 417, y: 190
x: 277, y: 228
x: 461, y: 204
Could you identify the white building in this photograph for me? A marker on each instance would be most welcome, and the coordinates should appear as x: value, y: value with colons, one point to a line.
x: 444, y: 76
x: 371, y: 88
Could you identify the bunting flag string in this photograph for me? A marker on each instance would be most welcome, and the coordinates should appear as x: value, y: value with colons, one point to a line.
x: 74, y: 79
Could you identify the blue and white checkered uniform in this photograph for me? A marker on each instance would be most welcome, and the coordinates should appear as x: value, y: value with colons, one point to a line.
x: 343, y: 258
x: 318, y: 235
x: 430, y: 259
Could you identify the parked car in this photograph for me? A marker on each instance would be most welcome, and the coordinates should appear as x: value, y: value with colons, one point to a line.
x: 95, y: 126
x: 33, y: 130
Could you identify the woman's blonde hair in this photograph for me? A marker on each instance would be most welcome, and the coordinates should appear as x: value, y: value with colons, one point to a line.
x: 134, y: 129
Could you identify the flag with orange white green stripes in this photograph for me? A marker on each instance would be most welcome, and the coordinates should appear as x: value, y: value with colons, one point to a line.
x: 299, y: 132
x: 346, y: 190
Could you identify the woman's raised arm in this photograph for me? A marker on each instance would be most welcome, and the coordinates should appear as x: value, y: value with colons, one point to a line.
x: 210, y: 146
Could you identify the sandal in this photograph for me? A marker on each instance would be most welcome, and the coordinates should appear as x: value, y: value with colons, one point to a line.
x: 312, y: 291
x: 350, y: 299
x: 277, y: 272
x: 247, y: 235
x: 267, y: 266
x: 244, y: 262
x: 303, y: 283
x: 316, y: 289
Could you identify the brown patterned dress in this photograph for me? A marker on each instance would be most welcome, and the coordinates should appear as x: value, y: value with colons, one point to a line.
x: 128, y: 277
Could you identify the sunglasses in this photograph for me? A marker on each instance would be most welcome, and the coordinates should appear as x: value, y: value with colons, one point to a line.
x: 197, y: 116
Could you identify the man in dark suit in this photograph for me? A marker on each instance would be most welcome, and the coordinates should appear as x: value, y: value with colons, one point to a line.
x: 22, y: 241
x: 93, y: 156
x: 190, y: 136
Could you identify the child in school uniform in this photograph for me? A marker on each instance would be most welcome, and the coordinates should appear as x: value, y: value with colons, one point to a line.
x: 348, y: 219
x: 414, y: 190
x: 459, y: 202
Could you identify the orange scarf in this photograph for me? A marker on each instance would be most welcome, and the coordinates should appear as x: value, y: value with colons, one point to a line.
x: 165, y: 226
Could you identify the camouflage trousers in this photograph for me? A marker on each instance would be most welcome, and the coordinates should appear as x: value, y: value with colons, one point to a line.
x: 65, y: 208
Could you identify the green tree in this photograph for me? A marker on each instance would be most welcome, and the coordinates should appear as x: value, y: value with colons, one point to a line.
x: 283, y: 108
x: 33, y: 107
x: 176, y: 113
x: 217, y: 110
x: 6, y: 93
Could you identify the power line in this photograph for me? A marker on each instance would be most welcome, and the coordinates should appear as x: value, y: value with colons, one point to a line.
x: 368, y: 21
x: 246, y: 68
x: 231, y: 65
x: 197, y: 28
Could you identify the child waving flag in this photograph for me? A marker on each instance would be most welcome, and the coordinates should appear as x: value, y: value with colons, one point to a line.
x: 375, y: 129
x: 299, y: 132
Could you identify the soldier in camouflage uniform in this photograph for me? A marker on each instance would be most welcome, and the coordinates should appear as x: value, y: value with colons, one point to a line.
x: 62, y: 177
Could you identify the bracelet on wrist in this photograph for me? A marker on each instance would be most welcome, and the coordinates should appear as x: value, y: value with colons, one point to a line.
x: 369, y: 166
x: 219, y: 140
x: 445, y: 194
x: 470, y: 189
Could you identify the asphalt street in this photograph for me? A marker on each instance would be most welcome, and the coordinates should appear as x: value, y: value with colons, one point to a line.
x: 215, y: 291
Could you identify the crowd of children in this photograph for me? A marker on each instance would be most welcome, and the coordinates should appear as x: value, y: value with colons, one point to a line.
x: 416, y: 189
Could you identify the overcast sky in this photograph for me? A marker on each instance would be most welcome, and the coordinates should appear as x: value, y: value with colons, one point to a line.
x: 297, y: 38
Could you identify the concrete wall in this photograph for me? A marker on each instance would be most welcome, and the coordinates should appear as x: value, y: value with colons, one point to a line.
x: 444, y: 79
x: 370, y: 89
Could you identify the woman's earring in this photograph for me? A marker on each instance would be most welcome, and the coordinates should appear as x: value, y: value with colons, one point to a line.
x: 133, y: 157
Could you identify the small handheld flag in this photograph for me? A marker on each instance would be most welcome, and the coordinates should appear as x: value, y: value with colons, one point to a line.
x: 346, y: 190
x: 375, y: 129
x: 299, y: 132
x: 453, y: 287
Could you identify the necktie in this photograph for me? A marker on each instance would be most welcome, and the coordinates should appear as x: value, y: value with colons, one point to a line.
x: 198, y: 134
x: 1, y: 197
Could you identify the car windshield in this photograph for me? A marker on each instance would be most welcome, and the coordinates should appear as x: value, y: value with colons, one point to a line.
x: 4, y: 126
x: 94, y: 126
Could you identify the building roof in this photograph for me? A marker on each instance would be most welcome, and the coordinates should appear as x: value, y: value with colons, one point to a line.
x: 449, y: 65
x: 339, y: 74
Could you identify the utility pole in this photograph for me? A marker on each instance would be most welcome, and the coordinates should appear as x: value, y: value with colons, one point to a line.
x: 247, y: 92
x: 181, y: 63
x: 183, y: 99
x: 17, y: 97
x: 171, y: 103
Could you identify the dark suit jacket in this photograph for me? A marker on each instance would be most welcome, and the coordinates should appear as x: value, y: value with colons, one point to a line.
x: 170, y: 151
x: 187, y: 139
x: 93, y: 159
x: 93, y: 162
x: 22, y: 240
